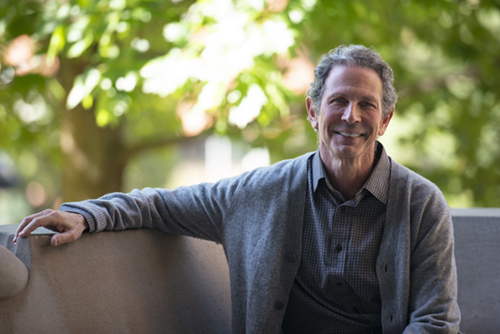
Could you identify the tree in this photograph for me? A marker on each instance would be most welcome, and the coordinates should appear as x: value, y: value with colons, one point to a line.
x: 92, y: 66
x: 134, y: 75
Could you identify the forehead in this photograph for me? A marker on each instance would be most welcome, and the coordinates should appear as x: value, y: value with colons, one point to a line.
x: 353, y: 80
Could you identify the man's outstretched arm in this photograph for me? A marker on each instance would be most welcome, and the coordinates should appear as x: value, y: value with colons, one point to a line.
x: 195, y: 211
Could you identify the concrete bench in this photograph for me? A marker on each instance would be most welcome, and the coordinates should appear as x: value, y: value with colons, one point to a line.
x: 145, y: 281
x: 136, y: 281
x: 477, y: 250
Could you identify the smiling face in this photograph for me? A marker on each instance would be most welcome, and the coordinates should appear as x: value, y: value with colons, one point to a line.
x: 350, y: 118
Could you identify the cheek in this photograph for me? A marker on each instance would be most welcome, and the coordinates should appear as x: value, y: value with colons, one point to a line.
x: 329, y: 118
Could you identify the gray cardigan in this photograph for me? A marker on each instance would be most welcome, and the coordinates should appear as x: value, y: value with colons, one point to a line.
x: 258, y: 218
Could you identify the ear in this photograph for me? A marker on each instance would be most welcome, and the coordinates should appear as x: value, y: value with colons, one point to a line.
x: 311, y: 112
x: 384, y: 122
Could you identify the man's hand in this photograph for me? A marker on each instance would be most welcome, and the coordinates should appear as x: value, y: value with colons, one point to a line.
x: 69, y: 225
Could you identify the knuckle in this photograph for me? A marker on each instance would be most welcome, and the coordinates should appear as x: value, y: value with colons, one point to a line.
x: 51, y: 213
x: 29, y: 218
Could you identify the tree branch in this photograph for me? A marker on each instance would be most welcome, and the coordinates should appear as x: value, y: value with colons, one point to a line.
x: 141, y: 147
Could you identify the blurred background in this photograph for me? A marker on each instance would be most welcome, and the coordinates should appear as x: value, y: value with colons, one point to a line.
x: 100, y: 96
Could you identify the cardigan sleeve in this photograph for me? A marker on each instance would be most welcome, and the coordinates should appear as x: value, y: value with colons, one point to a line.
x: 196, y: 211
x: 416, y: 264
x: 432, y: 303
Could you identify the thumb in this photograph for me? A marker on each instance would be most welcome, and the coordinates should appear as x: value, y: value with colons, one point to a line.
x: 54, y: 241
x: 63, y: 238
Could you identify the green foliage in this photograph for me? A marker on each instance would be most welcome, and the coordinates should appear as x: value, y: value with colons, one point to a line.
x: 149, y: 67
x: 444, y: 55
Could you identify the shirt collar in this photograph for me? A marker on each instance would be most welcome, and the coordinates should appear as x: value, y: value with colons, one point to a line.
x: 377, y: 183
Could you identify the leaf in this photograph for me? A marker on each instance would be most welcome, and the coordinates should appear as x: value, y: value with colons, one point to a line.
x: 83, y: 86
x: 80, y: 46
x: 56, y: 44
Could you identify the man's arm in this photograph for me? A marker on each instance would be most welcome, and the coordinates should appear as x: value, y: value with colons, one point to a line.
x: 433, y: 280
x: 194, y: 211
x: 417, y: 271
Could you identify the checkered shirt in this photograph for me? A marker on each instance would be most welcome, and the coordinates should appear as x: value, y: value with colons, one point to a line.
x: 336, y: 288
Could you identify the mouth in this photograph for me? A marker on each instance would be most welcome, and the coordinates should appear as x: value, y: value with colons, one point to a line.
x: 352, y: 135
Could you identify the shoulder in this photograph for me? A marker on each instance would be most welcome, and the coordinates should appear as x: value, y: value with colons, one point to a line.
x: 418, y: 197
x: 286, y: 179
x: 406, y: 180
x: 289, y: 171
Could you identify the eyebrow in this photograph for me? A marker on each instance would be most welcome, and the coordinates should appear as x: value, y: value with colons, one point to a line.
x: 363, y: 98
x: 369, y: 98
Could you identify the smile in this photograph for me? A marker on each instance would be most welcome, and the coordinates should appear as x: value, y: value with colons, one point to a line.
x: 350, y: 134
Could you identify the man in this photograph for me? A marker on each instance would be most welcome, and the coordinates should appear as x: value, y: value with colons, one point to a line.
x: 343, y: 240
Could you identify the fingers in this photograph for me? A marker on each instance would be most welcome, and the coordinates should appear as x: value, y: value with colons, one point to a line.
x: 69, y: 225
x: 31, y: 223
x: 22, y: 229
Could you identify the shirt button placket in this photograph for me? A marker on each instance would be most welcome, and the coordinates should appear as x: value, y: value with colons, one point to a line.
x: 340, y: 218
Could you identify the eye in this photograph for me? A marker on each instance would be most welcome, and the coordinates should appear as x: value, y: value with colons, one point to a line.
x: 367, y: 104
x: 337, y: 100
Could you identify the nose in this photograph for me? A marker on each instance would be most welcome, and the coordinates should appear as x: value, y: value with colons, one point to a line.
x: 351, y: 113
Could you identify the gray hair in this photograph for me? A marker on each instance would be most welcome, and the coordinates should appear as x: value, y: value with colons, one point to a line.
x: 354, y: 55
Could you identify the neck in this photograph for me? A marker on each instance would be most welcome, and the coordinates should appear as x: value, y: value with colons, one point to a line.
x: 347, y: 175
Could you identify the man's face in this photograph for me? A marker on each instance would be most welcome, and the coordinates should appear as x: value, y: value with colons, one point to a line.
x: 351, y: 115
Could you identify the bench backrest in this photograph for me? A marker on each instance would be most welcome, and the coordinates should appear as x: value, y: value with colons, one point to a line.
x: 145, y: 281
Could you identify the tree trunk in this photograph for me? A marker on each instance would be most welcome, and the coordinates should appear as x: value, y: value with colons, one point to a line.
x: 93, y: 159
x: 93, y: 156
